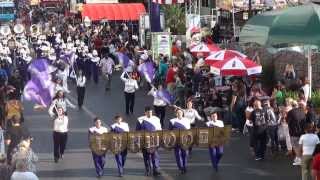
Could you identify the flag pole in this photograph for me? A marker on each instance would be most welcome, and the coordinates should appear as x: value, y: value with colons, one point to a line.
x: 233, y: 20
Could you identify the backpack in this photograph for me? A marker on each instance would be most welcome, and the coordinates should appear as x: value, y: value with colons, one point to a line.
x: 260, y: 122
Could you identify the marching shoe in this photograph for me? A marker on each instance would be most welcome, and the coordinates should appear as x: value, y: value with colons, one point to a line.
x: 156, y: 173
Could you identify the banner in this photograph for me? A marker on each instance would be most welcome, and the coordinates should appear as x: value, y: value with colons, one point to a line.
x: 161, y: 44
x: 167, y: 139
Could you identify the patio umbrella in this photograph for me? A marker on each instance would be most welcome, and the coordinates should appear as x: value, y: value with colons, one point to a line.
x: 223, y: 55
x: 204, y: 49
x: 236, y: 66
x: 291, y: 26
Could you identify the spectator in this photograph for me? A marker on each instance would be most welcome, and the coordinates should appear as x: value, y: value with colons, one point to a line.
x: 316, y: 163
x: 5, y: 169
x: 307, y: 143
x: 296, y: 121
x: 21, y: 172
x: 25, y: 153
x: 14, y: 135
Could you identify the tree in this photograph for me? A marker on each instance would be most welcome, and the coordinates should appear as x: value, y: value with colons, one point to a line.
x: 175, y: 18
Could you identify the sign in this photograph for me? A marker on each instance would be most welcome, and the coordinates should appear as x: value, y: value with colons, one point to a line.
x: 161, y: 44
x: 167, y: 139
x: 101, y: 1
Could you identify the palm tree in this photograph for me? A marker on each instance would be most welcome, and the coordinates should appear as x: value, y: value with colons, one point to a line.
x: 175, y: 18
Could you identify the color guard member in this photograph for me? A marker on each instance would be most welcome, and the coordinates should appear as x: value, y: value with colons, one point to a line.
x: 149, y: 123
x: 119, y: 127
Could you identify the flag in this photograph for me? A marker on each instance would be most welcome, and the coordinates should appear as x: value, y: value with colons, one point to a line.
x: 155, y: 17
x: 123, y: 59
x: 40, y: 88
x: 147, y: 70
x: 165, y: 96
x: 168, y: 1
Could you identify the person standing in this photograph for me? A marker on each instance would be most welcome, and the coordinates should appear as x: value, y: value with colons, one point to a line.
x: 60, y: 134
x: 14, y: 135
x: 130, y: 87
x: 215, y: 152
x: 99, y: 160
x: 259, y: 130
x: 158, y: 104
x: 59, y: 101
x: 316, y: 163
x: 81, y: 88
x: 149, y: 123
x: 307, y: 144
x: 95, y: 70
x: 296, y: 119
x: 181, y: 154
x: 119, y: 127
x: 107, y: 65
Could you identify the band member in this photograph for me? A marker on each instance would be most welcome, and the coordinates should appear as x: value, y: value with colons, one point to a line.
x: 149, y: 123
x: 119, y: 127
x: 81, y: 89
x: 107, y: 65
x: 192, y: 115
x: 60, y: 134
x: 95, y: 64
x: 181, y: 154
x: 59, y: 101
x: 99, y: 160
x: 158, y: 104
x: 215, y: 152
x: 130, y: 87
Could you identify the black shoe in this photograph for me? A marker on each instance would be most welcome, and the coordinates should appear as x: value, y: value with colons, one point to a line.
x: 156, y: 173
x: 147, y: 173
x: 56, y: 160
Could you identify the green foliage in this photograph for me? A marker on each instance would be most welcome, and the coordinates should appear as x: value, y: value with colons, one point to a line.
x: 315, y: 97
x: 175, y: 18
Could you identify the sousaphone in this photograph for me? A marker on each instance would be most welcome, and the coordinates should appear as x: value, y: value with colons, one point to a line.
x: 18, y: 29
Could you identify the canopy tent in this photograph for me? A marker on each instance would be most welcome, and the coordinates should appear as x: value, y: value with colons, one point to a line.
x: 294, y: 25
x: 113, y: 12
x: 298, y: 25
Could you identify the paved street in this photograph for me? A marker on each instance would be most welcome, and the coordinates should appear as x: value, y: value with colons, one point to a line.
x: 237, y: 162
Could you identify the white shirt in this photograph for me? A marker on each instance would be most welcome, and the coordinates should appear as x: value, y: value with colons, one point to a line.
x: 156, y: 101
x: 154, y: 120
x: 216, y: 123
x: 60, y: 102
x: 122, y: 125
x: 81, y: 81
x: 96, y: 130
x: 130, y: 85
x: 60, y: 124
x: 192, y: 115
x: 248, y: 122
x: 106, y: 65
x: 183, y: 121
x: 24, y: 176
x: 308, y: 142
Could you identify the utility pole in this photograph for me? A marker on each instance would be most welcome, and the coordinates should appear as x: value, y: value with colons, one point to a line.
x: 250, y: 9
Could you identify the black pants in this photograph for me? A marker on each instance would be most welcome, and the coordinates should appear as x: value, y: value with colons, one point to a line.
x: 129, y: 102
x: 260, y: 144
x: 59, y: 143
x: 81, y: 91
x: 160, y: 112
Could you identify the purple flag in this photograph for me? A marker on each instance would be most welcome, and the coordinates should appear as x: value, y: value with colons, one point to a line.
x: 40, y: 88
x: 165, y: 96
x: 147, y: 70
x: 123, y: 59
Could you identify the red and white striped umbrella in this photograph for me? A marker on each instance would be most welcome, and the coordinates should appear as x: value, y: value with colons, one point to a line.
x: 204, y: 49
x: 168, y: 1
x: 223, y: 55
x: 236, y: 66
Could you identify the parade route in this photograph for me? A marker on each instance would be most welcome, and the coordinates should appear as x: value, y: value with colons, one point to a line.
x: 237, y: 162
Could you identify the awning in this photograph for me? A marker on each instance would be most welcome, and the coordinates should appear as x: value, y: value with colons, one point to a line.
x: 113, y: 12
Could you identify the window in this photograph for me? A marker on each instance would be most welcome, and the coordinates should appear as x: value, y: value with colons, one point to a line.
x: 205, y: 3
x: 8, y: 10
